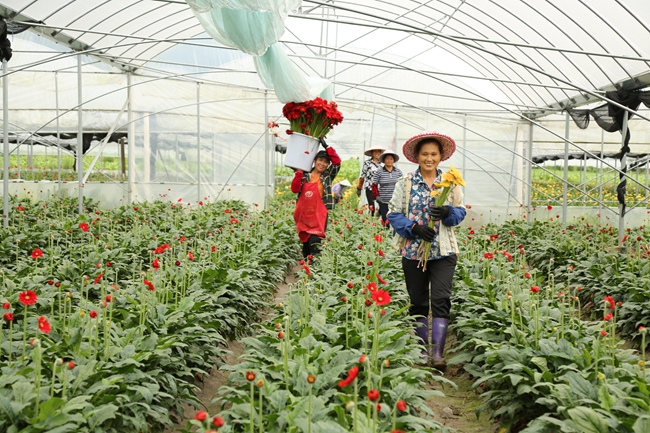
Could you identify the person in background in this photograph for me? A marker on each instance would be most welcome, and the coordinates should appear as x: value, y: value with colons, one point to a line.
x: 409, y: 213
x: 338, y: 189
x: 367, y: 172
x: 383, y: 182
x: 315, y: 198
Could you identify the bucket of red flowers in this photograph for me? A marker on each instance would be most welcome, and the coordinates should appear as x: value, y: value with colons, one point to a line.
x: 309, y: 121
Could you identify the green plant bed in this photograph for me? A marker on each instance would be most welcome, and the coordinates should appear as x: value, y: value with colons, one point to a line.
x: 130, y: 305
x: 521, y: 305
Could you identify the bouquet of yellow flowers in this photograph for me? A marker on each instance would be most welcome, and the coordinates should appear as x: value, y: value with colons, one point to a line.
x: 450, y: 180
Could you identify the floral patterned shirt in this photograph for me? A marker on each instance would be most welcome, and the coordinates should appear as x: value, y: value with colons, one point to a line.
x: 367, y: 172
x: 419, y: 202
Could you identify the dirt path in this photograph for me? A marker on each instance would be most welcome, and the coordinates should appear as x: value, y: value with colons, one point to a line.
x: 209, y: 385
x: 457, y: 408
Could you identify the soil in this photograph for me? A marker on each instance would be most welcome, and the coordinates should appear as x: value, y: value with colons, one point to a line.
x: 456, y: 410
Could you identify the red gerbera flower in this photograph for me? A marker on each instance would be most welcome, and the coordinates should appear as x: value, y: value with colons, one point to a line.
x: 373, y: 395
x: 37, y: 253
x: 93, y: 314
x: 608, y: 317
x: 98, y: 279
x: 44, y: 325
x: 8, y: 317
x: 155, y: 264
x: 250, y: 376
x: 217, y: 421
x: 352, y: 374
x: 611, y: 302
x: 84, y: 227
x: 534, y: 289
x: 381, y: 297
x: 149, y: 285
x: 27, y: 297
x: 401, y: 406
x: 201, y: 415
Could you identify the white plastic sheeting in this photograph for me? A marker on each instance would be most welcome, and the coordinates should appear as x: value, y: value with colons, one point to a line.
x: 468, y: 68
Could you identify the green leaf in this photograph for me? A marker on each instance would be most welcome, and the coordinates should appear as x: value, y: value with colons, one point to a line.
x: 540, y: 362
x: 588, y: 421
x: 606, y: 400
x: 642, y: 424
x: 98, y: 416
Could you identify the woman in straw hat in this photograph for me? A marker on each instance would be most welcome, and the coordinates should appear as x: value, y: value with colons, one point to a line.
x: 409, y: 212
x: 383, y: 182
x: 367, y: 172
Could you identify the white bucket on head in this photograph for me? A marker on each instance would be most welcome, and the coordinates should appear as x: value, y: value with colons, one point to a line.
x: 301, y: 151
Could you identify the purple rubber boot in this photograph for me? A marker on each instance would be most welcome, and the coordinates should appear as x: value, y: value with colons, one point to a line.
x: 438, y: 337
x: 422, y: 329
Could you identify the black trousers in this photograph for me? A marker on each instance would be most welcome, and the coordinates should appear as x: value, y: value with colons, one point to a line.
x: 312, y: 246
x: 383, y: 211
x: 371, y: 202
x: 431, y: 289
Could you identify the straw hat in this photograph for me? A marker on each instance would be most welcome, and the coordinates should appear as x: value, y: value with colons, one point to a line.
x: 386, y: 153
x: 369, y: 151
x: 448, y: 145
x: 345, y: 183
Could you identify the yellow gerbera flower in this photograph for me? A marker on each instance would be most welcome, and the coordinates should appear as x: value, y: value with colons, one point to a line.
x: 435, y: 193
x: 458, y: 177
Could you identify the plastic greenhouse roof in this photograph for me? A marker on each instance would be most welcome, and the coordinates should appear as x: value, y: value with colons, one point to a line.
x: 530, y: 56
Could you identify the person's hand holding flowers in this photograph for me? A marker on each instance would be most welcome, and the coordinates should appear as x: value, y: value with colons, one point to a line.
x: 440, y: 211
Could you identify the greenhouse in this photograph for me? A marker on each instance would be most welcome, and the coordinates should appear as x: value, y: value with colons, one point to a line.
x: 149, y: 245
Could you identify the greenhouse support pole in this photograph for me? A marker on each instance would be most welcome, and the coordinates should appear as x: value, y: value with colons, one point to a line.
x: 512, y: 166
x: 395, y: 139
x: 372, y: 130
x: 198, y: 140
x: 58, y: 129
x: 5, y: 148
x: 584, y: 185
x: 267, y: 146
x: 621, y: 206
x: 80, y: 138
x: 565, y: 187
x: 130, y: 176
x: 646, y: 182
x: 600, y: 173
x: 464, y: 145
x: 529, y: 169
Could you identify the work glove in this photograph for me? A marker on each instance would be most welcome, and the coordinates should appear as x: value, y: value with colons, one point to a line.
x: 439, y: 212
x: 358, y: 192
x: 322, y: 142
x: 424, y: 232
x: 375, y: 191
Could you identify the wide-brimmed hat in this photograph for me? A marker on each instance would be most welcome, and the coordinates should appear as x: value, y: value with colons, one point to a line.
x: 372, y: 148
x: 448, y: 145
x: 387, y: 152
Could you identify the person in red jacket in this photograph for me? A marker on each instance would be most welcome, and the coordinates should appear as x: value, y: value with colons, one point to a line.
x: 315, y: 198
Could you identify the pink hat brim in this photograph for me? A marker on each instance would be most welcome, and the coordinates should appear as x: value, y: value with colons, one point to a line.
x: 448, y: 145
